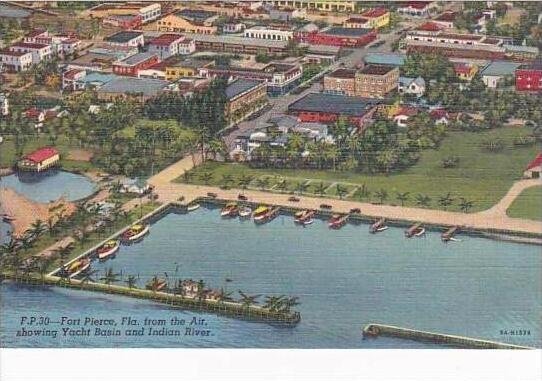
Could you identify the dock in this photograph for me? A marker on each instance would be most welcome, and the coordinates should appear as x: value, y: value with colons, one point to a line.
x: 448, y: 235
x: 374, y: 330
x: 411, y: 231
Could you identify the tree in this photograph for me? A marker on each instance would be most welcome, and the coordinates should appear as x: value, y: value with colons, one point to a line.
x: 131, y: 281
x: 244, y: 181
x: 206, y: 177
x: 227, y: 179
x: 382, y: 195
x: 263, y: 182
x: 341, y: 191
x: 282, y: 185
x: 403, y: 197
x: 320, y: 188
x: 248, y: 300
x: 446, y: 200
x: 423, y: 200
x: 301, y: 187
x: 110, y: 277
x: 465, y: 205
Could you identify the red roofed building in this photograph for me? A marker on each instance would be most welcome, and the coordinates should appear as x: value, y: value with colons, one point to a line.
x: 440, y: 116
x: 378, y: 17
x: 39, y: 160
x: 356, y: 22
x: 446, y: 19
x: 166, y: 45
x: 534, y: 168
x: 404, y: 113
x: 529, y: 77
x: 430, y: 27
x: 126, y: 22
x: 132, y: 65
x: 465, y: 71
x: 416, y: 8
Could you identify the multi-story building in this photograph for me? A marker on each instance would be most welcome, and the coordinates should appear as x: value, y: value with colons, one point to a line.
x: 356, y: 22
x: 126, y: 38
x: 265, y: 33
x: 189, y: 21
x: 233, y: 27
x: 187, y: 46
x: 497, y: 71
x: 375, y: 81
x: 242, y: 94
x: 39, y: 160
x: 12, y: 61
x: 146, y: 11
x: 529, y: 77
x: 130, y: 66
x: 287, y: 14
x: 378, y: 17
x: 417, y: 8
x: 236, y: 44
x: 140, y: 89
x: 165, y: 45
x: 189, y: 67
x: 316, y: 5
x: 338, y: 36
x: 40, y: 52
x: 341, y: 82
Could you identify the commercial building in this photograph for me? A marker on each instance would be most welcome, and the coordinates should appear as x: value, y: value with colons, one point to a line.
x: 15, y: 62
x: 126, y: 22
x: 497, y: 71
x: 341, y: 82
x: 126, y: 38
x: 391, y: 59
x: 129, y: 87
x: 146, y: 11
x: 40, y: 52
x: 417, y: 8
x: 265, y: 33
x: 356, y: 22
x: 529, y: 77
x: 287, y: 14
x: 130, y: 66
x: 375, y: 81
x: 165, y: 45
x: 39, y: 160
x: 340, y: 36
x: 445, y: 20
x: 189, y: 21
x: 189, y: 67
x: 233, y: 27
x: 316, y: 5
x: 377, y: 17
x: 242, y: 94
x: 235, y: 44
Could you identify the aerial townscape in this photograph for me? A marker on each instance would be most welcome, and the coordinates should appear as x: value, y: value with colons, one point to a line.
x: 276, y: 161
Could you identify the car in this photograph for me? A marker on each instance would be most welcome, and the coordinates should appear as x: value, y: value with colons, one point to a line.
x: 355, y: 210
x: 242, y: 197
x: 326, y: 206
x: 293, y: 199
x: 212, y: 195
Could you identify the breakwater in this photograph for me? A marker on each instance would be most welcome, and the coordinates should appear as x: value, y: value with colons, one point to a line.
x: 224, y: 308
x: 375, y: 330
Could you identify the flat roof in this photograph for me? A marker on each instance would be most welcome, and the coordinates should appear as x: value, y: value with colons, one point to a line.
x: 195, y: 14
x: 500, y: 68
x: 239, y: 86
x: 343, y: 73
x: 333, y: 104
x: 123, y: 36
x: 376, y: 69
x: 166, y: 39
x: 225, y: 39
x: 394, y: 59
x: 126, y: 85
x: 348, y: 32
x: 137, y: 58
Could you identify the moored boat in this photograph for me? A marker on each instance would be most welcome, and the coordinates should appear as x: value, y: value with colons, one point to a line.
x: 414, y: 230
x: 260, y: 212
x: 378, y: 226
x: 420, y: 232
x: 135, y: 232
x: 230, y: 210
x: 156, y: 284
x: 303, y: 216
x: 192, y: 206
x: 269, y: 215
x: 245, y: 212
x: 78, y: 267
x: 337, y: 221
x: 107, y: 250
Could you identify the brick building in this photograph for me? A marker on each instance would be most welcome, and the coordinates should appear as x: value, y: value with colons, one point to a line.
x: 341, y: 82
x: 130, y: 66
x: 375, y: 81
x: 339, y: 36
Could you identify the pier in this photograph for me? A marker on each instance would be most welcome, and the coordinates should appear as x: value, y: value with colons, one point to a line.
x: 374, y: 330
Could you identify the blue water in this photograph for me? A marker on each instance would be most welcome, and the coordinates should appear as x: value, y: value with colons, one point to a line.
x: 344, y: 279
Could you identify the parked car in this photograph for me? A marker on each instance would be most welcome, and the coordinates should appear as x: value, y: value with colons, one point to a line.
x: 293, y: 199
x: 326, y: 206
x: 242, y: 197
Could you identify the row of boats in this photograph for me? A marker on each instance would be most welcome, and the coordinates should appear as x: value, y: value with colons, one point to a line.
x: 108, y: 250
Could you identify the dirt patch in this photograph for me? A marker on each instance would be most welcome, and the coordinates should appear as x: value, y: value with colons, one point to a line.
x: 80, y: 155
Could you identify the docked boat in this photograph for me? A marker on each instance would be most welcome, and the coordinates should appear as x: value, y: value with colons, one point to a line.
x: 337, y: 221
x: 304, y: 217
x: 7, y: 218
x: 108, y: 249
x: 193, y: 206
x: 378, y: 226
x: 230, y: 210
x: 260, y: 212
x: 245, y: 212
x: 135, y: 232
x: 420, y: 232
x: 78, y: 267
x: 156, y: 284
x: 415, y: 230
x: 268, y: 216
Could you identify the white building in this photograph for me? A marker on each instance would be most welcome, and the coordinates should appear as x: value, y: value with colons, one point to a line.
x: 413, y: 86
x: 12, y: 61
x: 126, y: 38
x: 40, y: 52
x: 4, y: 105
x: 187, y: 46
x: 166, y: 45
x: 233, y: 27
x: 150, y: 12
x: 417, y: 8
x: 264, y: 33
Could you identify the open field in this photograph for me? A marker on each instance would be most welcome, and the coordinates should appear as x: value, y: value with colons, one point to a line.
x: 527, y: 205
x: 481, y: 177
x: 130, y: 131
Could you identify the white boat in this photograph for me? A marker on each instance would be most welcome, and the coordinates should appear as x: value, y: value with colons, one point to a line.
x: 421, y: 232
x: 78, y: 267
x: 108, y: 249
x: 135, y: 232
x: 381, y: 229
x: 245, y: 212
x: 192, y: 207
x: 307, y: 221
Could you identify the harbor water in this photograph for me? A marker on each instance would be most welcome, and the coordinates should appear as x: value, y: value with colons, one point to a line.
x: 344, y: 279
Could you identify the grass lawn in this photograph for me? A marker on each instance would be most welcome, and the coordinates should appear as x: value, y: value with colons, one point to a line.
x: 129, y: 131
x: 480, y: 176
x: 527, y: 205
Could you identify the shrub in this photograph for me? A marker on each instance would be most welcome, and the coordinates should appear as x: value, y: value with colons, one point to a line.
x: 450, y: 162
x: 526, y: 140
x: 493, y: 145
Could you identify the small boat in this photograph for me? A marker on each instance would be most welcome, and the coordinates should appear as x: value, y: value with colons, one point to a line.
x: 230, y: 210
x: 414, y: 230
x: 337, y: 221
x: 192, y: 207
x: 378, y: 226
x: 269, y: 215
x: 245, y: 212
x: 260, y: 213
x: 420, y: 232
x: 303, y: 216
x: 307, y: 221
x: 108, y: 249
x: 156, y: 284
x: 7, y: 218
x: 78, y: 267
x: 135, y: 232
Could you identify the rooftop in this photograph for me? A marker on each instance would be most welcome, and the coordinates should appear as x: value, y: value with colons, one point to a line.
x: 342, y: 73
x: 357, y: 20
x: 500, y: 68
x: 375, y: 12
x: 195, y: 14
x: 239, y: 86
x: 446, y: 16
x: 394, y: 59
x: 42, y: 154
x: 137, y: 58
x: 347, y: 32
x: 429, y: 27
x: 166, y: 39
x: 123, y: 36
x: 377, y: 69
x: 226, y: 39
x: 29, y: 45
x: 334, y: 104
x: 13, y: 54
x: 127, y: 85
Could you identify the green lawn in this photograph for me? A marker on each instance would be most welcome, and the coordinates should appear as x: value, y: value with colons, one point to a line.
x: 129, y: 131
x: 480, y: 176
x: 527, y: 205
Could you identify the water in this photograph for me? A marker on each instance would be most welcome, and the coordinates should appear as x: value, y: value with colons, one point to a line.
x: 344, y: 279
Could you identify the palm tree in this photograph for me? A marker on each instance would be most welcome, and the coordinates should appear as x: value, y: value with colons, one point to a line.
x: 227, y: 179
x: 88, y: 277
x: 341, y: 191
x: 465, y: 205
x: 37, y: 228
x: 206, y: 177
x: 131, y: 281
x: 244, y: 181
x: 382, y: 195
x: 446, y: 200
x: 248, y: 300
x: 301, y: 187
x: 224, y: 296
x: 110, y: 277
x: 403, y: 197
x: 289, y: 303
x: 274, y: 303
x: 282, y: 185
x: 320, y: 188
x: 263, y: 182
x: 423, y: 200
x: 201, y: 289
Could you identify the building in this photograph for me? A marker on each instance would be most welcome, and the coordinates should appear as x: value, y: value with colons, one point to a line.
x: 265, y: 33
x: 341, y: 82
x: 287, y: 14
x: 316, y: 5
x: 465, y: 71
x: 411, y: 86
x: 390, y: 59
x: 356, y: 22
x: 4, y: 104
x: 187, y: 46
x: 403, y: 115
x: 377, y: 17
x: 130, y: 66
x: 242, y: 95
x: 40, y: 52
x: 188, y: 67
x: 126, y: 38
x: 126, y: 22
x: 521, y: 53
x: 14, y: 62
x: 79, y: 80
x: 189, y: 21
x: 534, y: 169
x: 328, y: 108
x: 417, y: 8
x: 529, y: 77
x: 165, y: 45
x: 339, y: 36
x: 279, y: 78
x: 146, y: 11
x: 375, y: 81
x: 233, y: 27
x: 237, y: 45
x: 497, y: 71
x: 445, y: 20
x: 39, y: 160
x: 141, y: 89
x: 60, y: 44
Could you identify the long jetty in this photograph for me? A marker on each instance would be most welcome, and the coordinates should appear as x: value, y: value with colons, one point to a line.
x: 224, y: 308
x: 375, y: 330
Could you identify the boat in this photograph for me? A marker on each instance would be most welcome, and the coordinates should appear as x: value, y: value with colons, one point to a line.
x: 420, y: 232
x: 158, y: 286
x: 230, y: 210
x: 7, y: 218
x: 308, y: 221
x: 260, y: 212
x: 245, y: 212
x: 414, y: 230
x: 269, y: 215
x: 135, y: 232
x: 449, y: 234
x: 193, y: 206
x: 108, y: 249
x: 78, y: 267
x: 337, y: 221
x: 378, y: 226
x: 303, y: 216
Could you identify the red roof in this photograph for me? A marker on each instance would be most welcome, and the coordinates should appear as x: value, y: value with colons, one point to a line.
x: 359, y: 20
x: 166, y: 39
x: 29, y: 45
x: 439, y: 113
x: 446, y: 16
x: 42, y: 154
x: 430, y: 27
x: 70, y: 74
x: 418, y: 4
x: 375, y: 12
x: 537, y: 162
x: 407, y: 111
x: 35, y: 33
x: 461, y: 68
x: 32, y: 112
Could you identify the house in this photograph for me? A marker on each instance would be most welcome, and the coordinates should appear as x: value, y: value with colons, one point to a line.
x: 137, y: 186
x: 166, y: 45
x: 445, y: 20
x: 375, y: 81
x: 31, y: 36
x: 4, y: 104
x: 130, y: 66
x: 341, y: 82
x: 40, y: 52
x: 314, y: 131
x: 126, y: 22
x: 389, y: 59
x: 356, y: 22
x: 378, y: 17
x: 15, y: 62
x: 36, y: 116
x: 404, y: 114
x: 465, y: 71
x: 284, y: 123
x: 266, y: 33
x: 529, y: 77
x: 534, y: 169
x: 102, y: 57
x: 440, y: 116
x: 190, y: 21
x: 497, y: 71
x: 187, y: 46
x: 188, y: 67
x: 417, y: 8
x: 126, y: 38
x: 340, y: 36
x: 411, y: 86
x: 39, y: 160
x: 242, y: 94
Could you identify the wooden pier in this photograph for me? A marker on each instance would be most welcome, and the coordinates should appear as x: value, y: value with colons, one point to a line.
x: 375, y: 330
